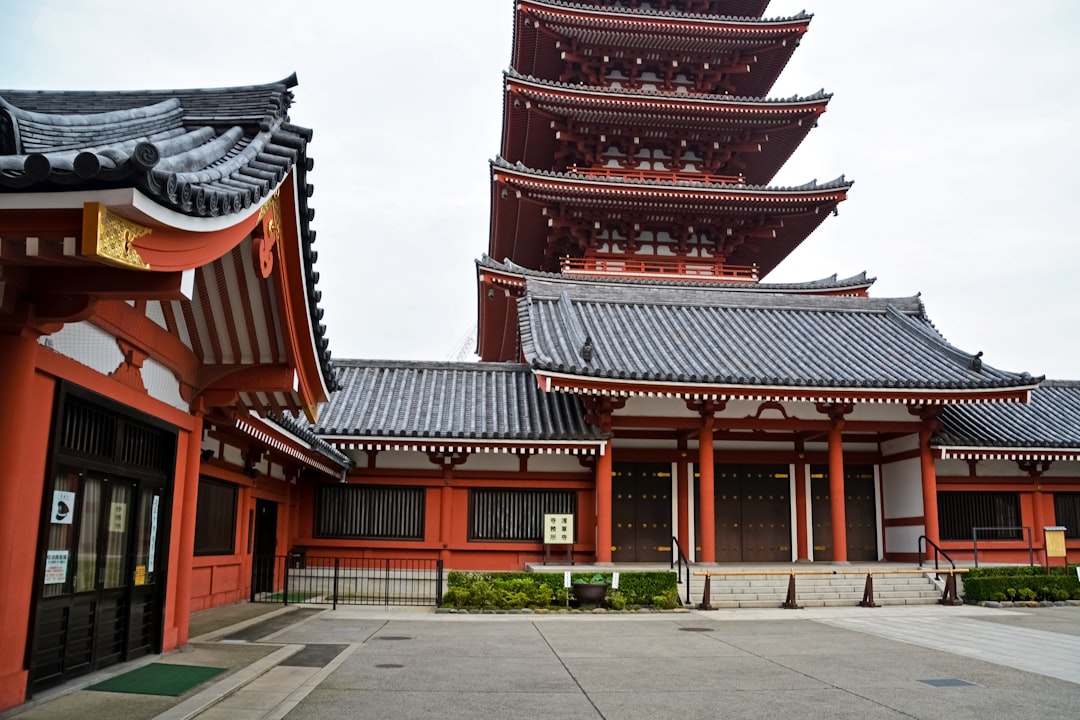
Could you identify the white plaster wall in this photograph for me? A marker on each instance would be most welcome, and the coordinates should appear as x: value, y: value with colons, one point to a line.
x: 952, y: 468
x: 903, y: 539
x: 86, y: 344
x: 999, y: 468
x: 232, y: 454
x: 502, y: 462
x: 402, y: 460
x: 162, y: 385
x: 901, y: 483
x: 556, y: 463
x: 627, y: 443
x: 882, y: 412
x: 655, y: 407
x: 900, y: 444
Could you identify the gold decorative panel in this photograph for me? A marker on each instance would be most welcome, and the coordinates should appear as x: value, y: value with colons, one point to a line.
x: 110, y: 237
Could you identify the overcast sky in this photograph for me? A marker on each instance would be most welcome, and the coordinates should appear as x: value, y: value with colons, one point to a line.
x: 956, y: 120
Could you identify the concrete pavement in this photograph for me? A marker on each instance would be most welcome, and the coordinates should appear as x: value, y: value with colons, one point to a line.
x: 929, y: 662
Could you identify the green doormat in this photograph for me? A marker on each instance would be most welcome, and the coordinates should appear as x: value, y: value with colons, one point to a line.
x: 159, y: 679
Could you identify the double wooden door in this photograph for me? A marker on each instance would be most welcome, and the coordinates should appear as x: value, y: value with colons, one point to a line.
x: 753, y: 513
x: 99, y: 601
x: 641, y: 512
x: 860, y: 511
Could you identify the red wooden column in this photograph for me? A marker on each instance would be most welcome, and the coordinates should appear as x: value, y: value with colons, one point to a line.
x: 682, y: 486
x: 929, y: 486
x: 184, y: 554
x: 802, y: 529
x: 24, y: 434
x: 446, y: 514
x: 603, y: 504
x: 707, y: 530
x: 836, y: 491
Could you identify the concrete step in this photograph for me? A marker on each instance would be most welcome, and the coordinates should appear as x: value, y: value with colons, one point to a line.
x: 840, y: 589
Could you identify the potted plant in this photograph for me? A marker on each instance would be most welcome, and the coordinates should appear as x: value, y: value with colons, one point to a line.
x: 591, y: 591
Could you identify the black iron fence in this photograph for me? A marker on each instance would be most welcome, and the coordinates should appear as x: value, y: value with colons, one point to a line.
x: 299, y: 578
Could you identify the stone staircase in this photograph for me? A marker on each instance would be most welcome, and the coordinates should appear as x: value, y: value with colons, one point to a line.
x: 834, y: 587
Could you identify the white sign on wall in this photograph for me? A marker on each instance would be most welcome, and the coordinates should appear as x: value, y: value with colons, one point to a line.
x: 56, y: 563
x: 63, y: 507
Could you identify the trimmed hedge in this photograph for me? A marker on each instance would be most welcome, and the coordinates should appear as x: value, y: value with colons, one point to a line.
x: 511, y: 590
x: 1021, y: 583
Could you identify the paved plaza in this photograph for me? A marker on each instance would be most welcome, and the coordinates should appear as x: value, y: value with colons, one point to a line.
x: 930, y: 662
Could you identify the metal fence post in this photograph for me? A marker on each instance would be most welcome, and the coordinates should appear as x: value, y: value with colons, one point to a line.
x: 285, y: 591
x: 337, y: 569
x: 438, y: 583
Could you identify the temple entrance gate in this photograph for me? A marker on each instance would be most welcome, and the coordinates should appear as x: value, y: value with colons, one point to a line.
x: 860, y: 511
x: 641, y: 512
x: 753, y: 513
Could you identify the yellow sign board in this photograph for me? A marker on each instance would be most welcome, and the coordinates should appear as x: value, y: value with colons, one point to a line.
x: 1055, y: 541
x: 558, y: 529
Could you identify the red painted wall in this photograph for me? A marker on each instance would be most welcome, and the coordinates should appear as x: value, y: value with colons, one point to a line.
x: 460, y: 553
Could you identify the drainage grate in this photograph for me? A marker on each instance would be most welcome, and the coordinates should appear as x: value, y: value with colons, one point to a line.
x: 947, y: 682
x: 696, y: 629
x: 390, y: 666
x: 393, y: 637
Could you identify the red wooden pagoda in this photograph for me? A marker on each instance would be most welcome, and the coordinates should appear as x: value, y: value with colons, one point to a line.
x: 641, y: 143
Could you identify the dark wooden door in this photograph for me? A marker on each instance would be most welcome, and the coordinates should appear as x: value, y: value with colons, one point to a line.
x: 860, y: 510
x: 84, y: 613
x: 641, y: 512
x: 753, y: 513
x: 264, y: 560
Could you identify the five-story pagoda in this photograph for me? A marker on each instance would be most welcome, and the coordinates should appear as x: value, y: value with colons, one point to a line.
x: 638, y: 141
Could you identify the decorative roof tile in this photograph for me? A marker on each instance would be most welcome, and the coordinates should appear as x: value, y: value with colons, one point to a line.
x: 691, y: 335
x: 199, y: 152
x: 204, y: 153
x: 454, y: 401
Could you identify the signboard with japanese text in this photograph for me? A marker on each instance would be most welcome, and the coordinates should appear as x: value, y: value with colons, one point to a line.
x: 56, y: 564
x: 558, y: 529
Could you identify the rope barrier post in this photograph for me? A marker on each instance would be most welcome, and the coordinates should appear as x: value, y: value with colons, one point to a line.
x: 790, y: 603
x: 868, y: 591
x: 949, y: 597
x: 706, y: 596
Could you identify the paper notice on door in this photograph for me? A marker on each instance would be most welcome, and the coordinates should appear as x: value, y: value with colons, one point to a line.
x: 56, y: 563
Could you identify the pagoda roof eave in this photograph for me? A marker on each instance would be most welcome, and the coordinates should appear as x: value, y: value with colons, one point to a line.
x: 834, y: 189
x: 662, y: 100
x: 569, y: 382
x: 511, y: 274
x: 771, y: 42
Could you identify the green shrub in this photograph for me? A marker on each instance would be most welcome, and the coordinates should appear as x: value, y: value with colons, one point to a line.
x: 510, y: 590
x: 1020, y: 583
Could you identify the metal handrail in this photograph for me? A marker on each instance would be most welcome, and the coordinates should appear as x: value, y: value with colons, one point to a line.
x: 923, y: 540
x: 1026, y: 531
x: 682, y: 560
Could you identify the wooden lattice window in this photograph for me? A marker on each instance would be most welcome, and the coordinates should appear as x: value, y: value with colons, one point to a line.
x: 369, y: 512
x: 515, y: 515
x: 1067, y: 513
x: 960, y: 512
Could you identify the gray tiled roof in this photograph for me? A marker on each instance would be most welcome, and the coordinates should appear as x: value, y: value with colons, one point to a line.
x: 1050, y: 420
x: 691, y: 335
x: 451, y: 400
x: 200, y: 152
x: 301, y: 428
x: 828, y: 284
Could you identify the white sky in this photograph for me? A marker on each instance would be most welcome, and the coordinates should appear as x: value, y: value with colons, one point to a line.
x: 957, y: 121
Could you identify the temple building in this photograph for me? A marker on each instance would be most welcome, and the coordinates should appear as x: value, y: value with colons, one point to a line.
x: 160, y: 336
x: 175, y: 424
